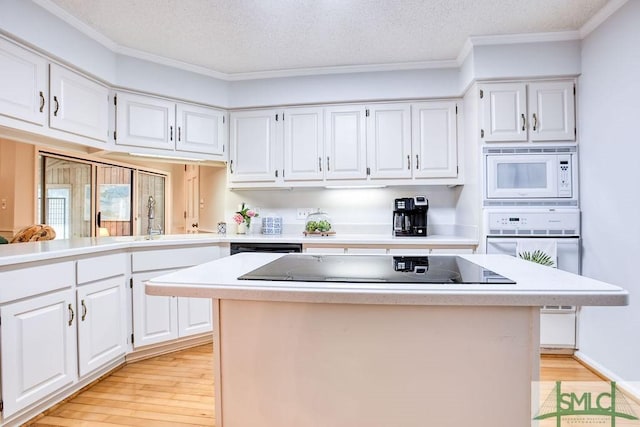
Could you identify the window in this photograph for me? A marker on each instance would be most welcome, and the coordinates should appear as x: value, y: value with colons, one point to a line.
x: 85, y: 198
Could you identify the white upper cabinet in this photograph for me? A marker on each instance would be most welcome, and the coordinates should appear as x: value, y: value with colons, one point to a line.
x: 434, y: 139
x: 528, y: 112
x: 144, y: 121
x: 303, y: 144
x: 389, y: 141
x: 200, y: 129
x: 253, y: 146
x: 23, y: 84
x: 552, y: 111
x: 504, y: 112
x: 78, y: 105
x: 345, y: 142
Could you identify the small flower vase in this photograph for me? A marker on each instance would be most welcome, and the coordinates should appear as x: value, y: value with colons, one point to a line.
x: 242, y: 228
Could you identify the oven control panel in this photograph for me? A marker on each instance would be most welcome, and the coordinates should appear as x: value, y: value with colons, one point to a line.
x: 544, y: 222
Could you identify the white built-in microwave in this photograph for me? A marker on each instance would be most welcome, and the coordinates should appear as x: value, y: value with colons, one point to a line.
x: 530, y: 176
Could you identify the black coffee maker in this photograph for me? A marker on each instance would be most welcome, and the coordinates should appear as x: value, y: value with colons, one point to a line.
x: 410, y: 216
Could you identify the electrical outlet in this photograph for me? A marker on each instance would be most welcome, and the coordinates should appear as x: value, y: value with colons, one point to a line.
x: 303, y: 212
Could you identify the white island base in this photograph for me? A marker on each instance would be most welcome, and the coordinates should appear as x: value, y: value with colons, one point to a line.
x: 292, y: 364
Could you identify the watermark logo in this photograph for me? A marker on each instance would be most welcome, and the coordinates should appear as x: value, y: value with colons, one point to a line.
x: 582, y: 403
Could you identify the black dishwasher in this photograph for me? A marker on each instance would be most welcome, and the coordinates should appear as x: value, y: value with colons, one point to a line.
x: 285, y: 248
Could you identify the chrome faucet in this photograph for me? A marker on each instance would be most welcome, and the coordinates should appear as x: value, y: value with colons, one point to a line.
x: 151, y: 214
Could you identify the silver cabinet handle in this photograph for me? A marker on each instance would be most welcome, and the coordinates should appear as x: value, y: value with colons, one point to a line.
x: 170, y: 133
x: 231, y: 166
x: 328, y: 168
x: 41, y: 101
x: 417, y: 162
x: 179, y: 136
x: 535, y: 122
x: 276, y: 173
x: 408, y: 162
x: 524, y: 122
x: 55, y: 110
x: 84, y: 310
x: 71, y: 315
x: 320, y: 163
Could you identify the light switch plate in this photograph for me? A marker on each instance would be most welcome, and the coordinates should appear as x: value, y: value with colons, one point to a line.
x: 304, y: 212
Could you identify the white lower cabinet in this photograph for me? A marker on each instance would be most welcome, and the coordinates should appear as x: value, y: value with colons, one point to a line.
x: 38, y: 337
x: 101, y: 323
x: 157, y: 319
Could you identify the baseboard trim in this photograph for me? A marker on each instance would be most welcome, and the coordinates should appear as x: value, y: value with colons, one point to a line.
x: 557, y: 351
x: 631, y: 390
x: 154, y: 350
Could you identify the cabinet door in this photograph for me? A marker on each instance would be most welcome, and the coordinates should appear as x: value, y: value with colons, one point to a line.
x: 552, y: 111
x: 155, y: 318
x: 194, y: 316
x: 78, y: 105
x: 253, y: 146
x: 504, y: 115
x: 101, y: 326
x: 199, y: 129
x: 434, y: 140
x: 38, y: 349
x: 345, y: 142
x: 389, y: 141
x: 144, y: 121
x: 303, y: 144
x: 23, y: 84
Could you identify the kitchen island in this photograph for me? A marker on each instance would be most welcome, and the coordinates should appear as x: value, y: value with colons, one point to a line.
x: 294, y: 353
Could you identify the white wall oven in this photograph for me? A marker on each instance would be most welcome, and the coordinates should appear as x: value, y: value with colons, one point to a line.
x: 530, y: 176
x: 546, y: 236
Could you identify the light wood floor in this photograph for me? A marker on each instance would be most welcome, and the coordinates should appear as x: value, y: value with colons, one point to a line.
x: 177, y: 390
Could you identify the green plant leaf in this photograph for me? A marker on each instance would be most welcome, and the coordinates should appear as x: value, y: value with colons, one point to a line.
x: 538, y: 257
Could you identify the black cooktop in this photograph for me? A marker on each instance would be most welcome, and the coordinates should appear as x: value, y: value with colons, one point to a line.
x: 375, y: 268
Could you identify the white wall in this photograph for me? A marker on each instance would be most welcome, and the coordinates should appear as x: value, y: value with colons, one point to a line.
x: 426, y: 83
x: 609, y: 175
x: 351, y: 210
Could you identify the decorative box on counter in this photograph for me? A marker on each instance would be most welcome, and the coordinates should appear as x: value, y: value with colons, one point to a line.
x: 272, y: 225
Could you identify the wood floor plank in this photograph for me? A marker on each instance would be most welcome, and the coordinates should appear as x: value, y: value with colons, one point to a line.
x: 177, y: 389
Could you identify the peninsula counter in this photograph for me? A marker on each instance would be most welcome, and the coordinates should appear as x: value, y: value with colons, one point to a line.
x: 375, y: 354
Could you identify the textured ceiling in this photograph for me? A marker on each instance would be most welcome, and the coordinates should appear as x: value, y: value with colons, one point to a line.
x: 241, y: 36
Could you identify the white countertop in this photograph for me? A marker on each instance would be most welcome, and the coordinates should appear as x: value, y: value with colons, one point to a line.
x: 536, y: 285
x: 37, y: 251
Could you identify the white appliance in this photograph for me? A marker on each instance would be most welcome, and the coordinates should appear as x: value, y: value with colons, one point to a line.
x: 530, y: 176
x: 555, y: 232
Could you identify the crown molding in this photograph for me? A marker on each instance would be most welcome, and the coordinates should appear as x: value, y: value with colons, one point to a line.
x: 467, y: 48
x: 600, y: 16
x: 92, y: 33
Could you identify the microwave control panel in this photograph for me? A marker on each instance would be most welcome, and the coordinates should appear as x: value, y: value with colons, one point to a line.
x: 564, y: 176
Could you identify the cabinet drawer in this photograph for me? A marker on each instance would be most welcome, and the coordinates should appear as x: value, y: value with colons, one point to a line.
x: 101, y: 267
x: 163, y: 259
x: 30, y: 281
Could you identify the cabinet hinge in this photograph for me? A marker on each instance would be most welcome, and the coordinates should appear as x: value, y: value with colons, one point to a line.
x: 283, y: 117
x: 131, y: 282
x: 481, y: 94
x: 456, y: 109
x: 366, y: 112
x: 185, y: 214
x: 574, y: 89
x: 115, y: 100
x: 282, y: 169
x: 1, y: 405
x: 131, y: 338
x: 575, y: 132
x: 481, y: 133
x: 276, y: 117
x: 457, y: 170
x: 223, y: 148
x: 222, y: 119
